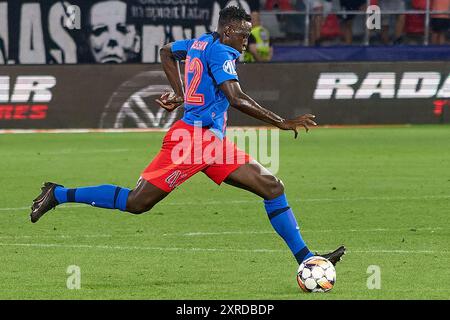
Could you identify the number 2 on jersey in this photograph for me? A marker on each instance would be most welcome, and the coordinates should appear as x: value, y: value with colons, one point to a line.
x: 194, y: 66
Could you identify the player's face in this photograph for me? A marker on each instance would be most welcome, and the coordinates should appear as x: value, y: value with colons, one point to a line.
x: 238, y: 35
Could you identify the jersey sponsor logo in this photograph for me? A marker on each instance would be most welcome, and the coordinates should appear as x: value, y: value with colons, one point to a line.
x: 29, y: 97
x: 229, y: 67
x: 385, y: 85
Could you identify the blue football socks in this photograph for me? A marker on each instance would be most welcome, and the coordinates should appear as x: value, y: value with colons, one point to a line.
x: 104, y: 196
x: 283, y: 221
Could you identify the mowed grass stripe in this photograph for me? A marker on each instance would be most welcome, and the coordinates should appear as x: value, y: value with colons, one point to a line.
x: 220, y: 233
x: 237, y: 202
x: 130, y: 248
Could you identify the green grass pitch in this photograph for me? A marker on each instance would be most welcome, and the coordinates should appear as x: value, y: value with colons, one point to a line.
x: 383, y: 192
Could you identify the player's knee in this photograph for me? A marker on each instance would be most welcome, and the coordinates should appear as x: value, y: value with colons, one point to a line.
x: 275, y: 188
x: 138, y: 206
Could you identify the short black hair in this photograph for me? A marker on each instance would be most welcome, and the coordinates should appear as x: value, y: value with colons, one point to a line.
x: 233, y: 13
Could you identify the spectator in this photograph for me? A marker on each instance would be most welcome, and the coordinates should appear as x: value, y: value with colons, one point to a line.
x: 347, y: 19
x: 440, y: 22
x: 254, y: 5
x: 247, y: 5
x: 392, y: 5
x: 259, y: 48
x: 283, y: 5
x: 320, y: 8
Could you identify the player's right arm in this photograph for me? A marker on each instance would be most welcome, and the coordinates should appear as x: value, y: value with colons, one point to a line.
x: 241, y: 101
x: 170, y: 55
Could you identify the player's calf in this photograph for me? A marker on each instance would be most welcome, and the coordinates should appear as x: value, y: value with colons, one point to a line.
x: 137, y: 201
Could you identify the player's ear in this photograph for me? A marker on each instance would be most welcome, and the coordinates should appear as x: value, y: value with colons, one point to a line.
x: 227, y: 31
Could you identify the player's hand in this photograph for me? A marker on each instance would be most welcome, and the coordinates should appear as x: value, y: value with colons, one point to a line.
x: 302, y: 121
x: 170, y: 101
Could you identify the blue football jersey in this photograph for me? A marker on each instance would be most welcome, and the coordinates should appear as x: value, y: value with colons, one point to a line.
x: 208, y: 63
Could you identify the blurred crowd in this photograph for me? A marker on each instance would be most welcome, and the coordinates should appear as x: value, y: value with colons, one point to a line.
x: 117, y: 31
x: 343, y: 22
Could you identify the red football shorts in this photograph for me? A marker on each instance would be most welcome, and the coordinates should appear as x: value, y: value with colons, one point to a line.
x: 187, y: 150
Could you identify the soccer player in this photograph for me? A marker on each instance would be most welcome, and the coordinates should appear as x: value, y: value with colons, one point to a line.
x: 211, y: 86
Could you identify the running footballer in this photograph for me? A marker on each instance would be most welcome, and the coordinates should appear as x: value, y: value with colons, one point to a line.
x: 211, y: 86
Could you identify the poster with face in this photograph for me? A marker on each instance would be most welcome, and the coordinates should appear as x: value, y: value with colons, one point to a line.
x: 111, y: 39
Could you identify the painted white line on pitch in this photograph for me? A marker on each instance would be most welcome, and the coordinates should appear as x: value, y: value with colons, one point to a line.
x: 183, y: 203
x: 229, y: 128
x: 203, y: 234
x: 200, y: 234
x: 124, y: 130
x: 193, y: 234
x: 66, y: 206
x: 440, y: 197
x: 61, y: 236
x: 131, y: 130
x: 397, y: 251
x: 106, y: 247
x: 113, y: 247
x: 70, y: 151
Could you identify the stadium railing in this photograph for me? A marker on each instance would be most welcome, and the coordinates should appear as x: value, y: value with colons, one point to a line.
x: 285, y: 25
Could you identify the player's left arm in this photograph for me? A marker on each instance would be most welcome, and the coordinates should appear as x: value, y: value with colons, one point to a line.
x: 244, y: 103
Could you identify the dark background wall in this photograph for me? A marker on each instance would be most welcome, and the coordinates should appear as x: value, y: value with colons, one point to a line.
x: 117, y: 96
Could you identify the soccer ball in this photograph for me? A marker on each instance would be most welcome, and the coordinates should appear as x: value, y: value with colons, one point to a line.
x: 316, y: 274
